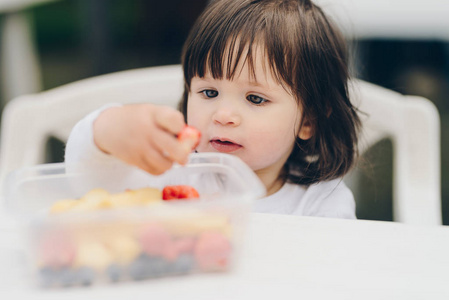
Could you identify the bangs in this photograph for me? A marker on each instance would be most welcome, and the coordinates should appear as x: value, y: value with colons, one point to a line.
x: 232, y: 38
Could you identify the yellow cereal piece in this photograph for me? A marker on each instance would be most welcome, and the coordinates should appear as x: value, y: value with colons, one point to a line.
x: 98, y: 199
x: 63, y: 206
x: 96, y: 195
x: 136, y: 197
x: 211, y: 223
x: 93, y: 200
x: 124, y: 248
x: 201, y: 224
x: 93, y: 254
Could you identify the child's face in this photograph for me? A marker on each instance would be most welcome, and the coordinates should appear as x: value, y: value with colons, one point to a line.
x: 257, y: 121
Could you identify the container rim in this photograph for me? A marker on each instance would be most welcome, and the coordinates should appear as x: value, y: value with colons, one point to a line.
x: 44, y: 171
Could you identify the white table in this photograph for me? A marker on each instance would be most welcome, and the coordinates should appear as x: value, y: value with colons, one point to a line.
x: 289, y: 257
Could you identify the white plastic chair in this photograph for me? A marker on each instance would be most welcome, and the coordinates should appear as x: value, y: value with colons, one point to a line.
x: 411, y: 122
x: 410, y: 20
x: 28, y: 121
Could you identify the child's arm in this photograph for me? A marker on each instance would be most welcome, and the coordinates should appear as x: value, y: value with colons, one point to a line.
x: 115, y: 137
x: 143, y: 135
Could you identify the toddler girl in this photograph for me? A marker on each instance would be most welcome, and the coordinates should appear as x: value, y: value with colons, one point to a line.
x: 265, y: 81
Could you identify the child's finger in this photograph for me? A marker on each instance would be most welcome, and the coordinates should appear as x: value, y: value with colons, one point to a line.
x: 169, y: 146
x: 154, y: 162
x: 169, y: 119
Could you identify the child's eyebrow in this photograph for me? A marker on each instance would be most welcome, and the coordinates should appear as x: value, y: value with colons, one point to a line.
x: 255, y: 83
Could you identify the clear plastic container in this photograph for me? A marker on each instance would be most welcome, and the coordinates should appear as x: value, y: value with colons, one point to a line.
x: 167, y: 238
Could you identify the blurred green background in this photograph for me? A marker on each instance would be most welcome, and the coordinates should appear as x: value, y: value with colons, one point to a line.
x: 78, y: 39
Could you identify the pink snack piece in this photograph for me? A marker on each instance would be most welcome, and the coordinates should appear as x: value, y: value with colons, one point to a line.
x: 56, y: 249
x: 184, y: 245
x: 157, y: 241
x: 212, y: 251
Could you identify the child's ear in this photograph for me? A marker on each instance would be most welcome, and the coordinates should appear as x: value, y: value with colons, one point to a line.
x: 306, y: 130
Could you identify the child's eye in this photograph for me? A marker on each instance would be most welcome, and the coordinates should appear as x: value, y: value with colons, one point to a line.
x: 210, y: 93
x: 256, y: 99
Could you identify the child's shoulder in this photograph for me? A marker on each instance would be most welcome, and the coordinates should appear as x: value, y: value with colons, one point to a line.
x: 330, y: 199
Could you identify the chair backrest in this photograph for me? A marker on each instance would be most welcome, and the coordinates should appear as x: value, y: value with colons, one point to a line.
x: 28, y: 121
x: 411, y: 122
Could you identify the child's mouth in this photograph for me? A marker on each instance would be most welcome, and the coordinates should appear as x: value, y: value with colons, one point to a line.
x: 224, y: 146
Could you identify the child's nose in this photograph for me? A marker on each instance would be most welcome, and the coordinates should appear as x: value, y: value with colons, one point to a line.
x: 226, y: 115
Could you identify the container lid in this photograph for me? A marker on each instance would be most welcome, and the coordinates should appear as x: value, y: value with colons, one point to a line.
x: 34, y: 189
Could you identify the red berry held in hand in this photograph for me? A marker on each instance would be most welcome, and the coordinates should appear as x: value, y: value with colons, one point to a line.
x: 190, y: 136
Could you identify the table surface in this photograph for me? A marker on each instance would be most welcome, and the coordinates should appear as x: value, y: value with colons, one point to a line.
x: 287, y: 256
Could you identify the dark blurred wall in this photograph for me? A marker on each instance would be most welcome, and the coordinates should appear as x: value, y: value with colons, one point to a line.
x: 77, y: 39
x: 83, y: 38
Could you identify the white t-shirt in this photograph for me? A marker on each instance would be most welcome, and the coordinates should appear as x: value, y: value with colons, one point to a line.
x: 331, y: 199
x: 325, y: 199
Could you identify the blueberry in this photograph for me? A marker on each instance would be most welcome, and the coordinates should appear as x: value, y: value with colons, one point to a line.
x: 146, y: 266
x: 157, y: 266
x: 86, y: 276
x: 183, y: 264
x: 68, y: 277
x: 137, y: 269
x: 114, y: 272
x: 48, y: 276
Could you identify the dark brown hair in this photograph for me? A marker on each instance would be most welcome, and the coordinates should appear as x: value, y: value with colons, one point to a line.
x: 305, y: 53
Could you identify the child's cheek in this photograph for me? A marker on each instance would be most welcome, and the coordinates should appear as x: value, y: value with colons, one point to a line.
x: 195, y: 114
x: 193, y: 121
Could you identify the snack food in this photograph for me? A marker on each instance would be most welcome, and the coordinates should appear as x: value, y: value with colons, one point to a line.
x: 79, y: 256
x: 104, y: 245
x: 136, y: 248
x: 190, y: 136
x: 175, y: 192
x: 101, y: 199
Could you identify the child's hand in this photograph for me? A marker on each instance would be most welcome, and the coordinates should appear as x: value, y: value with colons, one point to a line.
x: 143, y: 135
